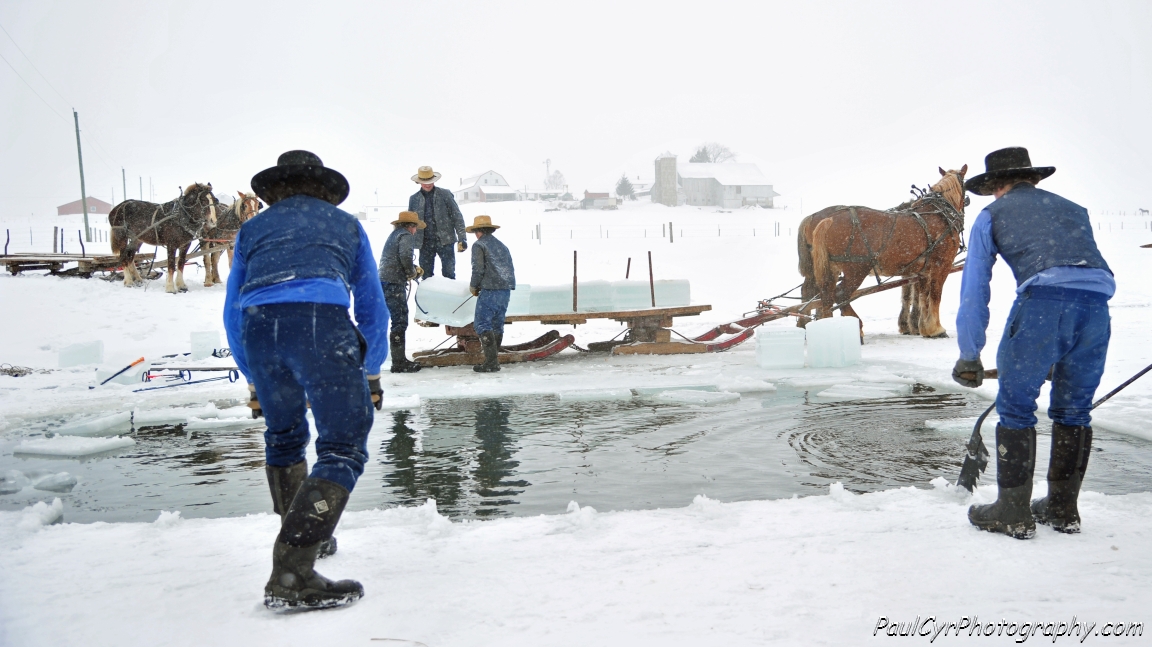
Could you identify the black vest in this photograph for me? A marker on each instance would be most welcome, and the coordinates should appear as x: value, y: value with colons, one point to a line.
x: 1036, y: 230
x: 300, y: 237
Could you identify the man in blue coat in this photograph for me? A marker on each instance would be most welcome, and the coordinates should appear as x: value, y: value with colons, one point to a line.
x: 1059, y: 324
x: 443, y: 224
x: 493, y: 279
x: 286, y: 315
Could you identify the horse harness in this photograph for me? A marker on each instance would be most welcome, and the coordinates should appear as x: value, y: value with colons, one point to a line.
x: 953, y: 222
x: 178, y: 208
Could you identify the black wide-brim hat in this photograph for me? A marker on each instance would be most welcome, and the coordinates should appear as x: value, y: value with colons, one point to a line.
x: 1006, y: 163
x: 300, y: 172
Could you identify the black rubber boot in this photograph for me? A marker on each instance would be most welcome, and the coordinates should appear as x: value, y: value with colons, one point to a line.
x: 283, y: 483
x: 499, y: 342
x: 1015, y: 463
x: 294, y: 583
x: 491, y: 350
x: 1071, y: 447
x: 400, y: 361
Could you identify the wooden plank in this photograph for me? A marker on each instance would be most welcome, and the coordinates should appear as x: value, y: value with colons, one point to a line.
x: 583, y: 317
x: 659, y: 348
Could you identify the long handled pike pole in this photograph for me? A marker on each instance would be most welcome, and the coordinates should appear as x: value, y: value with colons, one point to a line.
x: 976, y: 460
x: 470, y: 297
x: 120, y: 372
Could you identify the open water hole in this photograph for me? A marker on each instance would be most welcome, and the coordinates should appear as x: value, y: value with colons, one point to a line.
x: 529, y: 455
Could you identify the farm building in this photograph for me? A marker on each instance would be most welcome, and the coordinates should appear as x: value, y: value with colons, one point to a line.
x: 95, y: 205
x: 728, y: 185
x: 489, y: 186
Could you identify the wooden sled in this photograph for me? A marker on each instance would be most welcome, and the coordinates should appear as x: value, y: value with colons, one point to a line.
x: 467, y: 349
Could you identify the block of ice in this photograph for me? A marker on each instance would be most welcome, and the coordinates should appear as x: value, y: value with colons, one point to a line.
x: 592, y: 395
x: 132, y: 376
x: 89, y: 352
x: 645, y: 391
x: 72, y: 446
x: 59, y: 482
x: 673, y: 293
x: 631, y: 295
x: 173, y: 415
x: 400, y: 402
x: 518, y: 302
x: 697, y: 398
x: 444, y: 301
x: 746, y: 385
x: 12, y: 482
x: 861, y: 391
x: 594, y: 296
x: 199, y: 424
x: 109, y: 425
x: 550, y: 299
x: 204, y: 343
x: 780, y: 348
x: 833, y: 342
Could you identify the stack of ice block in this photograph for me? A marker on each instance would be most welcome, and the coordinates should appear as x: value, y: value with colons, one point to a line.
x: 550, y: 299
x: 780, y: 348
x: 439, y: 300
x: 518, y: 302
x: 631, y: 295
x: 833, y: 342
x: 672, y: 294
x: 594, y: 296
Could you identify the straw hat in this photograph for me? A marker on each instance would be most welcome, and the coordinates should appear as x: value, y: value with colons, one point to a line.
x: 299, y: 172
x: 481, y: 222
x: 410, y: 218
x: 1005, y: 163
x: 425, y: 175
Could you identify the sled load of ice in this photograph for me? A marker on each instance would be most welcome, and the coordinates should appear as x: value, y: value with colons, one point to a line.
x: 780, y: 348
x: 833, y: 342
x: 89, y: 352
x: 446, y: 301
x: 72, y: 446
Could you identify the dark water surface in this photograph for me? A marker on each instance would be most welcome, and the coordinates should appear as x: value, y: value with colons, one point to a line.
x: 530, y: 455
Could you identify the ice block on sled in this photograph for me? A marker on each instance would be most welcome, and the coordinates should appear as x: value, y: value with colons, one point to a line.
x: 594, y: 296
x: 519, y: 301
x: 444, y: 301
x: 550, y: 299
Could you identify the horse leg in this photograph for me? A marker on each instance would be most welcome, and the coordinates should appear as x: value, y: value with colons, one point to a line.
x: 909, y: 309
x: 853, y: 277
x: 180, y: 268
x: 169, y: 281
x: 209, y: 268
x: 216, y: 267
x: 932, y: 287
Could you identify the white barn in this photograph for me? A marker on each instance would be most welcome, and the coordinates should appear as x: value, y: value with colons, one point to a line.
x: 489, y: 186
x: 728, y: 185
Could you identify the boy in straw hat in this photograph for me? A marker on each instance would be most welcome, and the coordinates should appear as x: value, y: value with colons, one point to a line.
x: 1059, y: 323
x: 286, y: 314
x: 444, y: 224
x: 493, y: 279
x: 396, y: 270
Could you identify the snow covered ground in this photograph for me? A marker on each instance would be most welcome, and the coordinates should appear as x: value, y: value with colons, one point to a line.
x: 815, y: 570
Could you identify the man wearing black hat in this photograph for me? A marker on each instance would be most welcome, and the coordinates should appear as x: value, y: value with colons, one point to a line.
x: 286, y: 315
x: 1059, y: 323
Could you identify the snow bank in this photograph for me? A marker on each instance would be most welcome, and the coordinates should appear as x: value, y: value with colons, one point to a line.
x: 72, y: 446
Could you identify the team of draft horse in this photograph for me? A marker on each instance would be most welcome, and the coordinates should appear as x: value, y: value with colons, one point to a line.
x: 840, y: 247
x: 194, y: 215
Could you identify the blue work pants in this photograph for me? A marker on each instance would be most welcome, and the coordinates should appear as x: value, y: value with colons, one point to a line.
x: 310, y: 352
x: 1052, y: 327
x: 396, y: 298
x: 491, y: 307
x: 447, y: 254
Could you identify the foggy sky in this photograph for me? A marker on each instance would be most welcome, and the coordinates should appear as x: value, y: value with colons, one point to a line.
x: 838, y: 102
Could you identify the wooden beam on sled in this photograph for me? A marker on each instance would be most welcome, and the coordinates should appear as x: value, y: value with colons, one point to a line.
x: 467, y: 349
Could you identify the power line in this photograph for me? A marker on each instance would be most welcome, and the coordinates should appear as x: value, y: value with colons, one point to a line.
x: 32, y: 88
x: 29, y: 59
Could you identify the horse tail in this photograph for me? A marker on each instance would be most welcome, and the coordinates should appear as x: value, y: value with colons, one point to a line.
x: 119, y: 237
x: 821, y: 264
x: 802, y: 248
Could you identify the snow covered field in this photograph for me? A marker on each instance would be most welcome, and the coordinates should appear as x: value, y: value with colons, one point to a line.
x: 815, y: 570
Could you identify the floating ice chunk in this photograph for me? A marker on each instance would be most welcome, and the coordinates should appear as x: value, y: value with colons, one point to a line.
x: 197, y: 424
x: 89, y: 352
x: 59, y: 482
x: 746, y: 385
x: 673, y: 293
x: 174, y: 415
x: 41, y: 514
x: 204, y: 344
x: 656, y: 390
x: 233, y: 412
x: 862, y: 392
x: 444, y: 301
x: 780, y: 348
x: 594, y: 296
x: 833, y: 342
x: 13, y: 482
x: 550, y: 299
x: 519, y: 300
x: 962, y: 425
x: 697, y: 398
x: 103, y: 426
x: 400, y: 402
x: 592, y: 395
x: 72, y: 446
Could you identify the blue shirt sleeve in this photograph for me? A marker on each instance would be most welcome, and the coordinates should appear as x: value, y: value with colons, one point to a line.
x: 370, y: 309
x: 975, y: 288
x: 233, y: 315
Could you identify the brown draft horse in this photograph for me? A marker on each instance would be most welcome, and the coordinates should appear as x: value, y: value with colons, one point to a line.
x: 172, y: 225
x: 917, y: 239
x: 228, y: 223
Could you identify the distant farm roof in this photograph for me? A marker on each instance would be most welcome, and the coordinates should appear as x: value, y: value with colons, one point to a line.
x: 730, y: 174
x: 94, y: 206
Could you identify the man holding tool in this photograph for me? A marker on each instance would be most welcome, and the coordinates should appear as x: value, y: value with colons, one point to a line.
x: 1059, y: 323
x: 493, y: 279
x: 286, y: 315
x: 439, y: 212
x: 396, y: 270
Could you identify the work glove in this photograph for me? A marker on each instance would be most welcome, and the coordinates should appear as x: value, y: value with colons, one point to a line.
x: 416, y: 274
x: 968, y: 372
x: 475, y: 291
x: 376, y: 390
x: 461, y: 246
x: 253, y: 403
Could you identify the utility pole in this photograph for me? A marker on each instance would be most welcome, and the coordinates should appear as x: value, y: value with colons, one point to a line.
x: 141, y: 188
x: 124, y: 180
x: 83, y: 191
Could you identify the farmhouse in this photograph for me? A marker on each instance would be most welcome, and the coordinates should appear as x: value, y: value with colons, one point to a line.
x: 95, y: 205
x: 728, y: 185
x: 489, y: 186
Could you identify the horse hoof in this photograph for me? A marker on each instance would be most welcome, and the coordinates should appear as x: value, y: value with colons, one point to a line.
x: 184, y: 289
x: 942, y: 335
